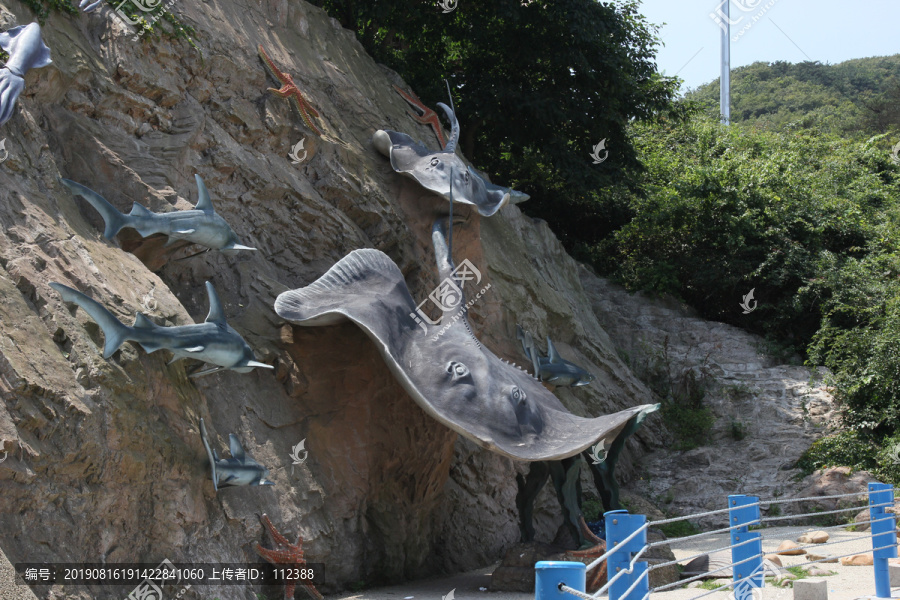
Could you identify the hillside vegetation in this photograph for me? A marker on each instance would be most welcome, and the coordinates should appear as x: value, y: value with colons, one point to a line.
x: 856, y: 97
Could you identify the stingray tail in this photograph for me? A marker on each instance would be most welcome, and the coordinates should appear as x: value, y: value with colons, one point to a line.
x: 115, y: 331
x: 113, y: 219
x: 209, y: 453
x: 348, y: 290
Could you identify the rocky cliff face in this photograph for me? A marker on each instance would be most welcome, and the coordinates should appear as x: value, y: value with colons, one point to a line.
x: 766, y: 414
x: 105, y: 459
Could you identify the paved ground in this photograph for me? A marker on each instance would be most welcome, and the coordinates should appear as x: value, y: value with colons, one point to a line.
x: 848, y: 583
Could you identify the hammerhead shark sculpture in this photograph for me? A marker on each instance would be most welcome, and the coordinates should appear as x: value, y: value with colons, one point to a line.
x: 240, y: 469
x: 213, y: 342
x: 552, y: 368
x: 445, y: 369
x: 199, y: 226
x: 441, y: 170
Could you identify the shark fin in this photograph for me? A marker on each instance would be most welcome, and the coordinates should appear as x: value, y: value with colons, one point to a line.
x: 184, y: 231
x: 139, y: 210
x: 206, y: 372
x: 113, y: 220
x: 173, y: 361
x: 232, y: 247
x: 535, y: 360
x: 210, y: 453
x: 203, y: 201
x: 552, y: 354
x: 253, y: 363
x: 237, y: 451
x: 142, y: 322
x: 216, y: 312
x: 115, y: 332
x: 150, y: 347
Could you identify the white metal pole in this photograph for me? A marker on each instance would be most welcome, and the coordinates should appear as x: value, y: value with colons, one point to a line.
x: 725, y: 79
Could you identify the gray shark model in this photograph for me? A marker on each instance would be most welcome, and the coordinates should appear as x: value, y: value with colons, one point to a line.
x: 439, y: 171
x: 445, y: 369
x: 213, y: 342
x: 199, y: 226
x: 240, y: 469
x: 552, y: 368
x: 26, y: 51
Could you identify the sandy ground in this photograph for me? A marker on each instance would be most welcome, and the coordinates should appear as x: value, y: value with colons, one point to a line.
x: 848, y: 583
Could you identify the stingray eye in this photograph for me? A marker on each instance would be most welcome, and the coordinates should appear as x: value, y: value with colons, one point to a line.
x: 435, y: 162
x: 457, y: 370
x: 517, y: 396
x: 466, y: 177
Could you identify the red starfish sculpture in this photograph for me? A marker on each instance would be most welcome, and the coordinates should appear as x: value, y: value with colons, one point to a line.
x: 286, y: 553
x: 290, y: 91
x: 428, y: 117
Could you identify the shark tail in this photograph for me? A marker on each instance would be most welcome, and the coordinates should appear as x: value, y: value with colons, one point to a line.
x: 209, y: 453
x: 115, y: 332
x: 349, y: 290
x: 112, y: 218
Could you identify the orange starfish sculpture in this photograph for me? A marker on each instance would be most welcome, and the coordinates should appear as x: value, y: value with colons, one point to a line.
x: 428, y: 116
x: 286, y: 553
x: 597, y: 577
x: 290, y: 91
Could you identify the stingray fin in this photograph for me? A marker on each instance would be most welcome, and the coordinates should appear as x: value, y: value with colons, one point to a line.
x: 552, y: 354
x: 216, y: 312
x: 26, y: 35
x: 237, y: 451
x: 203, y: 201
x: 366, y: 287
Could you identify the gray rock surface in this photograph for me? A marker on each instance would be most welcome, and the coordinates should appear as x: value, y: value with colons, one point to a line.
x: 776, y: 410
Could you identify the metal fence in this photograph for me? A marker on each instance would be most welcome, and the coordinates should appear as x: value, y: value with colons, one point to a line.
x: 629, y: 576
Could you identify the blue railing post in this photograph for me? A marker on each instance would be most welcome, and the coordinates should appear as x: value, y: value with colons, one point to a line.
x: 548, y: 574
x: 743, y: 511
x: 882, y: 535
x: 619, y: 525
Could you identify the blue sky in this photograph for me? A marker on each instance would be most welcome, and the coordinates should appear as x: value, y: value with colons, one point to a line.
x: 828, y: 31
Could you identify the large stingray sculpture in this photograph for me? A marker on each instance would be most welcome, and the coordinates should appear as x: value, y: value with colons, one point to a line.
x: 26, y: 51
x: 445, y: 369
x: 438, y: 171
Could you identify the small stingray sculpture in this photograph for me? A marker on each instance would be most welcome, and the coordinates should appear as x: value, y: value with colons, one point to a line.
x: 240, y: 469
x: 26, y: 51
x: 552, y: 368
x: 445, y: 369
x: 441, y: 170
x: 199, y: 226
x: 214, y: 341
